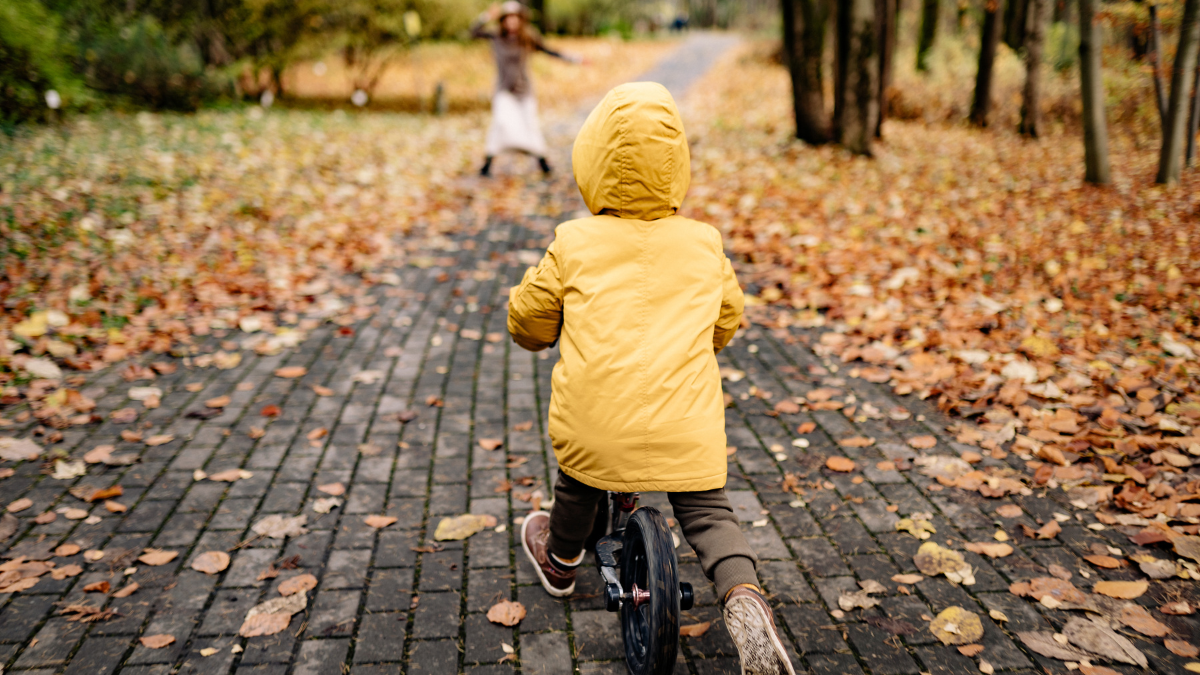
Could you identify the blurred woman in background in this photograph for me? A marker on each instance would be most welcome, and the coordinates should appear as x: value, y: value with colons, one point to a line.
x: 514, y: 109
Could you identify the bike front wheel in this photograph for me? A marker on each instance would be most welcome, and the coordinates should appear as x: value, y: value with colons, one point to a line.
x: 650, y: 579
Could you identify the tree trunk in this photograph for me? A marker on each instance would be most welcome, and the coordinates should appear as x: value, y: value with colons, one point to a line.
x: 886, y: 19
x: 856, y: 89
x: 987, y: 58
x: 1170, y: 161
x: 538, y: 9
x: 1016, y: 21
x: 1194, y: 120
x: 1031, y: 117
x: 929, y: 23
x: 804, y: 24
x: 1160, y: 90
x: 1095, y: 126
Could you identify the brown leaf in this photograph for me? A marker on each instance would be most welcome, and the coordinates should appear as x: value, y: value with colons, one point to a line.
x: 256, y: 432
x: 335, y: 489
x: 1061, y: 590
x: 97, y: 587
x: 298, y: 584
x: 1181, y: 648
x: 694, y: 629
x: 155, y: 557
x: 379, y: 522
x: 218, y: 402
x: 1043, y: 643
x: 43, y: 518
x: 272, y: 616
x: 211, y: 562
x: 270, y: 411
x: 115, y: 507
x: 956, y: 626
x: 322, y: 391
x: 1125, y: 590
x: 291, y: 372
x: 506, y: 613
x: 1099, y: 639
x: 1139, y: 619
x: 66, y: 571
x: 1009, y: 511
x: 127, y: 591
x: 130, y: 436
x: 842, y: 464
x: 1105, y: 561
x: 806, y: 428
x: 922, y: 442
x: 317, y: 434
x: 787, y: 407
x: 1048, y: 531
x: 970, y: 650
x: 857, y: 442
x: 460, y: 527
x: 160, y: 439
x: 66, y: 550
x: 98, y: 454
x: 19, y: 505
x: 491, y: 443
x: 229, y: 475
x: 434, y: 401
x: 992, y: 550
x: 105, y: 493
x: 523, y: 426
x: 157, y: 641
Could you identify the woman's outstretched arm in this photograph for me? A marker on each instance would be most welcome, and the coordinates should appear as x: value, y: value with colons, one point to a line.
x: 477, y: 26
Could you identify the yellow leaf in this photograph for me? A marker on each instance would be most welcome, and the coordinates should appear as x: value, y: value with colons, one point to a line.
x: 957, y: 626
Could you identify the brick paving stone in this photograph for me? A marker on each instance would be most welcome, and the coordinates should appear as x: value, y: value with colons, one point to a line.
x: 380, y: 637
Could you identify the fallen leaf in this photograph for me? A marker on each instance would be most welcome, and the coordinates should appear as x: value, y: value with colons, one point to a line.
x: 842, y: 464
x: 909, y: 579
x: 491, y: 443
x: 297, y: 584
x: 335, y: 489
x: 922, y: 442
x: 1048, y: 531
x: 278, y: 526
x: 291, y: 372
x: 461, y: 527
x: 956, y: 626
x: 1009, y: 511
x: 933, y: 560
x: 97, y: 587
x: 326, y: 504
x: 970, y: 650
x: 18, y: 449
x: 157, y: 641
x: 1125, y: 590
x: 209, y: 651
x: 114, y: 507
x: 155, y: 557
x: 66, y: 550
x: 1139, y: 619
x: 270, y: 411
x: 1043, y: 643
x: 1088, y: 669
x: 75, y: 514
x: 160, y: 439
x: 68, y: 470
x: 217, y: 402
x: 1101, y: 640
x: 42, y: 518
x: 1060, y: 590
x: 990, y: 550
x: 93, y: 555
x: 317, y: 434
x: 272, y: 616
x: 506, y: 613
x: 98, y: 454
x: 1181, y: 648
x: 1187, y: 546
x: 211, y: 562
x: 1104, y: 561
x: 127, y: 591
x: 230, y: 475
x: 919, y: 528
x: 523, y: 426
x: 1178, y: 608
x: 10, y: 523
x: 18, y: 505
x: 379, y: 522
x: 857, y: 442
x: 64, y: 572
x: 694, y: 629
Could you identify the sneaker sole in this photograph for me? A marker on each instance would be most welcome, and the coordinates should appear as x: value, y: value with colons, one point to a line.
x: 758, y: 644
x: 556, y: 592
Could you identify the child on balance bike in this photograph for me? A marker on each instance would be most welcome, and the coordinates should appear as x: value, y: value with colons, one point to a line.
x: 642, y: 300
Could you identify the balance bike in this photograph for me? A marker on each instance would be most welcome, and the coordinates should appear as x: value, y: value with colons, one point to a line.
x: 646, y: 589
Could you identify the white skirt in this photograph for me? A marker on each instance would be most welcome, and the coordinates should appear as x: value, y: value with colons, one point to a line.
x: 515, y: 125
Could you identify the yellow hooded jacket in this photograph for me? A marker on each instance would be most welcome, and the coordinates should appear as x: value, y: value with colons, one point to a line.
x: 642, y: 300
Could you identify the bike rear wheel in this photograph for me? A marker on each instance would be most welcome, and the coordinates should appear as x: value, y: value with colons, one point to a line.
x: 650, y: 577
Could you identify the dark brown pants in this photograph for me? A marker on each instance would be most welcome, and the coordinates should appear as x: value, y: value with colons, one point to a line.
x: 706, y: 518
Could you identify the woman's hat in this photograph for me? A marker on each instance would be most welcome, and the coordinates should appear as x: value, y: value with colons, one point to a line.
x: 512, y: 7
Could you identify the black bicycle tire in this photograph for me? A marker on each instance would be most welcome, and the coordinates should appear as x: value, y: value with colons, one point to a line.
x: 651, y: 636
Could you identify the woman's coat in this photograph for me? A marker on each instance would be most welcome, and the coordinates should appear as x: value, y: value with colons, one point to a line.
x: 642, y: 300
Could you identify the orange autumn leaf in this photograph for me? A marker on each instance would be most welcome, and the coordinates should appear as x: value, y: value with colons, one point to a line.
x: 157, y: 641
x: 291, y: 372
x: 694, y: 629
x: 922, y: 442
x: 1125, y: 590
x: 379, y: 522
x: 842, y: 464
x: 298, y: 584
x: 506, y: 613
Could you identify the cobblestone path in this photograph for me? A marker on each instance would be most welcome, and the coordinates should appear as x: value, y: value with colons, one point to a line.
x: 390, y: 600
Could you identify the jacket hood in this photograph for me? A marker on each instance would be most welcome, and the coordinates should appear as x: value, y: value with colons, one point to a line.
x: 631, y: 157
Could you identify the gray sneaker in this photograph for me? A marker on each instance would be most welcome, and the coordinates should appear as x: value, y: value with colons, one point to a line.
x: 752, y: 626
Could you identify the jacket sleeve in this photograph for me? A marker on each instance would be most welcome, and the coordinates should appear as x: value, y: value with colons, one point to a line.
x: 477, y: 27
x: 732, y: 304
x: 535, y: 306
